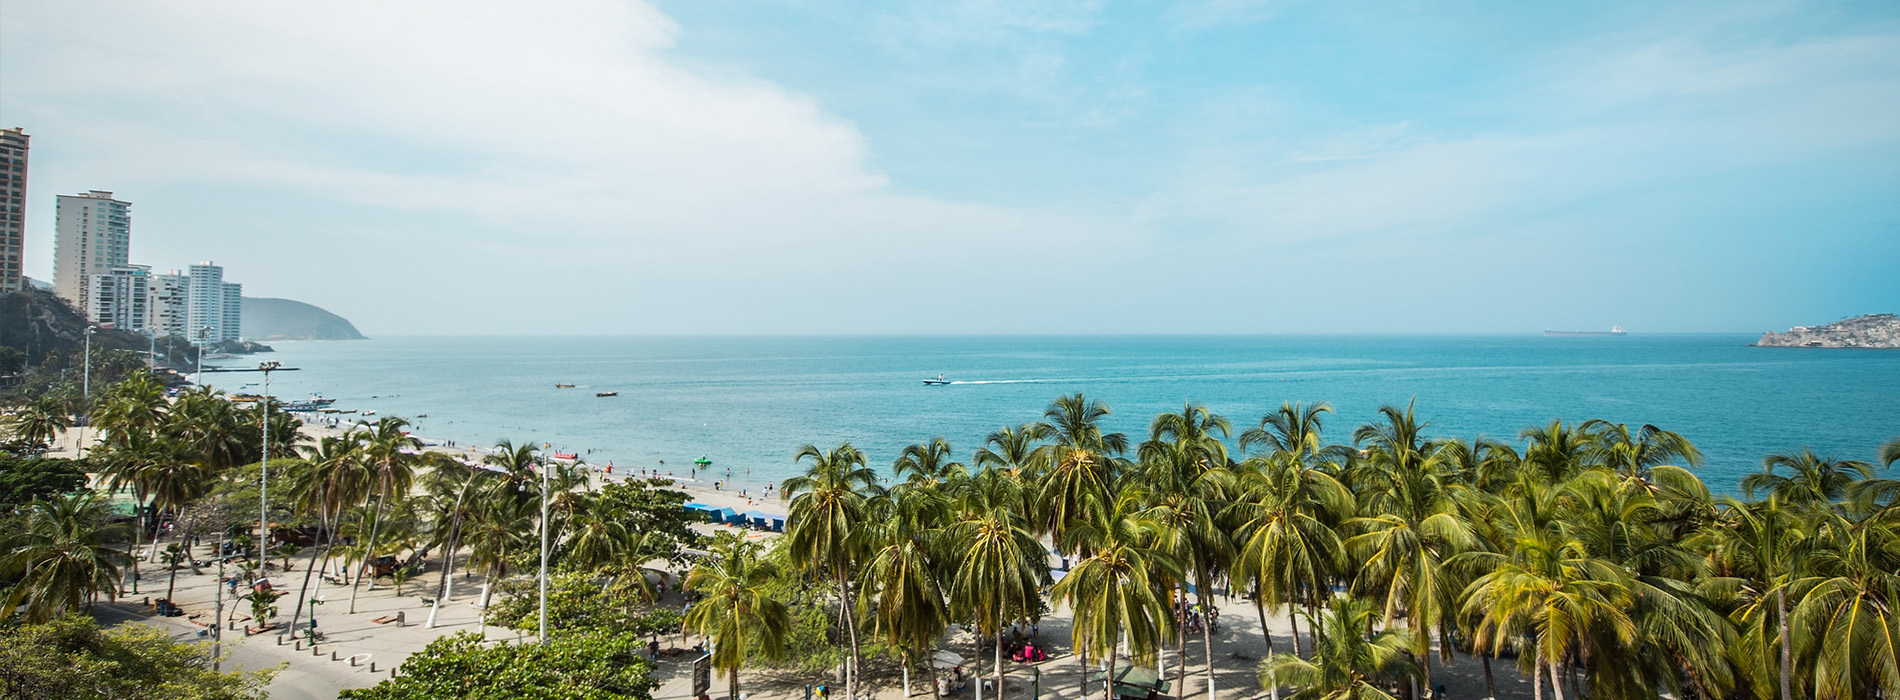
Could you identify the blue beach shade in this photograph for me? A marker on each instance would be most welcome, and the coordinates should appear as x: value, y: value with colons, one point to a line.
x: 696, y: 509
x: 722, y: 515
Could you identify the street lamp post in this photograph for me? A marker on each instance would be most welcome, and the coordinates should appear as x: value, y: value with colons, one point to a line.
x: 263, y: 471
x: 85, y: 392
x: 204, y: 334
x: 544, y: 548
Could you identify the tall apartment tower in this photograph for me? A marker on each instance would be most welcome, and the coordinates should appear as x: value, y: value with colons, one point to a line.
x: 233, y: 325
x: 214, y: 308
x: 167, y: 305
x: 92, y: 235
x: 120, y: 298
x: 13, y: 144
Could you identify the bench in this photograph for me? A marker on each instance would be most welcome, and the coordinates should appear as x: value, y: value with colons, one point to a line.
x: 386, y: 619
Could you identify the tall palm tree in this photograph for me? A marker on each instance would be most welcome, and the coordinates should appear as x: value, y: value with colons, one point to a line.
x: 1000, y: 566
x: 1632, y: 456
x: 903, y: 589
x: 496, y: 527
x: 1409, y: 525
x: 1183, y: 480
x: 827, y: 510
x: 390, y: 453
x: 1285, y: 521
x: 1549, y: 590
x: 1014, y: 450
x: 734, y: 608
x: 597, y: 534
x: 60, y: 560
x: 1114, y: 593
x: 328, y: 480
x: 1349, y: 662
x: 1082, y: 462
x: 135, y: 406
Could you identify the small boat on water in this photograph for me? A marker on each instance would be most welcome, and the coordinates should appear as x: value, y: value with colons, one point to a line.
x: 604, y: 394
x: 369, y: 412
x: 564, y: 386
x: 939, y: 381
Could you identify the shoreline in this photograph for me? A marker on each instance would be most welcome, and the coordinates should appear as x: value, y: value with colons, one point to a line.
x: 746, y: 498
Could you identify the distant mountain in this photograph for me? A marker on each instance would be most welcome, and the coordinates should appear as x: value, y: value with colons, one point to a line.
x: 283, y: 319
x: 1870, y: 331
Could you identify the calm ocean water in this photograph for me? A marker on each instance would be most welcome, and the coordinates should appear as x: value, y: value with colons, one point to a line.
x: 747, y: 403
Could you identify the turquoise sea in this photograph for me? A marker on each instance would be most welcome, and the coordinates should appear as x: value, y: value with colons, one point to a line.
x: 748, y: 402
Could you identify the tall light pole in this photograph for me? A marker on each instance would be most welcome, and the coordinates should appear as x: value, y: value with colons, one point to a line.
x: 204, y: 334
x: 263, y: 470
x: 85, y: 392
x: 544, y: 546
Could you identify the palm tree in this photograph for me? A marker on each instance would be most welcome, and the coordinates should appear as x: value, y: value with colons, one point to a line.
x: 1848, y: 621
x: 173, y: 556
x: 135, y: 406
x: 734, y: 608
x: 1815, y: 482
x: 902, y: 588
x: 1348, y: 662
x: 1547, y: 589
x: 827, y: 510
x: 1014, y: 450
x: 1000, y: 566
x: 390, y: 452
x: 1633, y: 456
x: 1182, y: 479
x: 60, y: 560
x: 39, y: 421
x: 1409, y: 525
x: 328, y: 480
x: 598, y: 535
x: 1115, y: 593
x: 1285, y: 522
x: 496, y: 527
x: 927, y: 462
x: 1082, y: 462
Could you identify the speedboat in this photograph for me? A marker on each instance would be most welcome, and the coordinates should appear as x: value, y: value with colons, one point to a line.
x: 604, y: 394
x: 939, y: 381
x: 564, y: 386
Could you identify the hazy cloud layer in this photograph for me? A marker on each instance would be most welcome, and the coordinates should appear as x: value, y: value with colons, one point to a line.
x: 617, y: 167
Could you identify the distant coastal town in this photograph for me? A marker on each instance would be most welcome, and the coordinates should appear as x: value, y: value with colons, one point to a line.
x: 1872, y: 331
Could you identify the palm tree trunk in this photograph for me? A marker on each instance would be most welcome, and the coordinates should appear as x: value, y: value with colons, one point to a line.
x: 905, y: 656
x: 1490, y: 687
x: 369, y: 552
x: 1108, y: 681
x: 1537, y: 677
x: 1787, y: 654
x: 1293, y: 623
x: 1556, y: 681
x: 999, y: 660
x: 1180, y: 635
x: 851, y: 627
x: 315, y: 560
x: 1260, y: 608
x: 732, y: 682
x: 448, y: 553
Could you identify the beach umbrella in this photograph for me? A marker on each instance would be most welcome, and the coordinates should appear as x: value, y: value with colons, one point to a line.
x: 945, y: 659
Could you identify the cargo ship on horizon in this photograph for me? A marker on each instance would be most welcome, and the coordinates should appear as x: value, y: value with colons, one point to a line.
x: 1614, y: 330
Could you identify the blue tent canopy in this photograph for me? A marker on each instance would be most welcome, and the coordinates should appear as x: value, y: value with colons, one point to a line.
x: 722, y: 515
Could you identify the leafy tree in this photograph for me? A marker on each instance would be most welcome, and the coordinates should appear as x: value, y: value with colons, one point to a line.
x: 60, y: 561
x: 38, y: 422
x: 583, y: 666
x: 827, y: 510
x: 22, y: 480
x: 734, y: 608
x: 71, y: 657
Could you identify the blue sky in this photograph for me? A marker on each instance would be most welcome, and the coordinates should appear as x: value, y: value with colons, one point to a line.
x: 987, y: 167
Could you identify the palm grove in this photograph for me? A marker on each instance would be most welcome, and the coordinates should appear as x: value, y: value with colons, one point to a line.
x: 1587, y: 554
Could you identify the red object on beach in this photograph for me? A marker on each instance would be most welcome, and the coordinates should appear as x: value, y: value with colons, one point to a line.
x: 566, y: 455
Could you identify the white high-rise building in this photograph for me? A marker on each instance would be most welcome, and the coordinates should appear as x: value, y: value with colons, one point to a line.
x: 204, y: 303
x: 92, y: 235
x: 119, y: 298
x: 233, y: 325
x: 167, y: 305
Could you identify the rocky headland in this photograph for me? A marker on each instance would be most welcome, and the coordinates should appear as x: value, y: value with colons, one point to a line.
x: 1880, y: 331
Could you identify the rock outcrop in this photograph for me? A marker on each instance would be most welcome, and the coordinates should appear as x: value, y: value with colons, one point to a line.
x: 1880, y: 331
